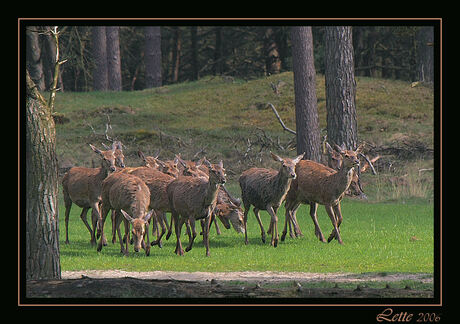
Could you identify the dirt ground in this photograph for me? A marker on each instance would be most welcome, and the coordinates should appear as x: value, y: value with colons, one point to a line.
x: 206, y: 285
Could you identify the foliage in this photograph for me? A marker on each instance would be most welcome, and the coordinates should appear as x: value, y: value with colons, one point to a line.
x: 380, y: 51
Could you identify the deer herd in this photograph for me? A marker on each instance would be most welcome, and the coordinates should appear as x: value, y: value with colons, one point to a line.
x: 191, y: 191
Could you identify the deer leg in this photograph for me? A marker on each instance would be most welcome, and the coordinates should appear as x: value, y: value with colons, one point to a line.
x: 83, y: 217
x: 146, y: 246
x: 169, y: 228
x: 338, y: 215
x: 178, y: 222
x: 214, y: 219
x: 262, y: 231
x: 117, y: 223
x: 206, y: 223
x: 318, y: 233
x: 114, y: 226
x: 68, y: 206
x: 286, y: 220
x: 95, y: 219
x: 191, y: 238
x: 335, y: 232
x: 273, y: 225
x: 126, y: 239
x: 293, y: 219
x: 100, y: 226
x: 245, y: 221
x: 160, y: 220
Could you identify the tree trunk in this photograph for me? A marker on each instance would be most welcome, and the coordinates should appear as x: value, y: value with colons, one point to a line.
x: 425, y: 60
x: 194, y: 49
x: 42, y: 218
x: 99, y: 50
x: 33, y: 57
x: 272, y: 56
x: 152, y: 57
x: 306, y: 112
x: 176, y: 55
x: 342, y: 126
x: 218, y: 52
x: 113, y: 58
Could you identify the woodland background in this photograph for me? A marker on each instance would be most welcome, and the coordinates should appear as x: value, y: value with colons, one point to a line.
x: 175, y: 54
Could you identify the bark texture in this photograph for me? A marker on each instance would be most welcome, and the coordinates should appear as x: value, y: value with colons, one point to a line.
x: 42, y: 221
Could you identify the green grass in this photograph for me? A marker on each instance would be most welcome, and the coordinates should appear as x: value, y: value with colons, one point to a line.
x: 377, y: 238
x: 220, y: 117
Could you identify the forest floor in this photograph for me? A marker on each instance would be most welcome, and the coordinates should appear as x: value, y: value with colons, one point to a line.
x: 170, y: 284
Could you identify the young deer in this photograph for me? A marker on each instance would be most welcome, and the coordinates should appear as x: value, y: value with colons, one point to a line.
x: 129, y: 196
x: 82, y: 186
x: 192, y: 198
x: 266, y: 189
x: 334, y: 161
x: 157, y: 182
x: 319, y: 184
x: 228, y: 208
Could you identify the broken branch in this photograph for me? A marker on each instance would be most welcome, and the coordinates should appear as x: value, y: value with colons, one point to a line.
x: 280, y: 120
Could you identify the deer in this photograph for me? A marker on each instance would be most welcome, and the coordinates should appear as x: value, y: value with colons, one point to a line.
x: 82, y: 186
x: 266, y: 189
x: 157, y: 182
x: 228, y: 208
x: 334, y: 160
x: 318, y: 184
x: 194, y: 198
x: 169, y: 167
x: 129, y: 196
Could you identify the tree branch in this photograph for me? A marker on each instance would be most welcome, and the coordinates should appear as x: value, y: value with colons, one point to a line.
x: 280, y: 120
x: 55, y: 33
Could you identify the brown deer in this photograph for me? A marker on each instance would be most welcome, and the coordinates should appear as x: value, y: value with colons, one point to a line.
x: 266, y: 189
x: 129, y: 196
x: 82, y: 186
x: 192, y: 198
x: 228, y: 208
x: 334, y: 161
x: 319, y: 184
x: 169, y: 167
x: 157, y: 182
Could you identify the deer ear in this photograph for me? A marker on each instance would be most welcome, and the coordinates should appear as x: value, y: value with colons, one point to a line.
x: 221, y: 164
x: 95, y: 149
x: 207, y: 163
x: 126, y: 216
x: 329, y: 148
x: 276, y: 157
x: 338, y: 149
x: 297, y: 159
x: 147, y: 217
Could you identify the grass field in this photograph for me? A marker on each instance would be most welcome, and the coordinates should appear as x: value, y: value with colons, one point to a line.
x: 377, y: 238
x: 390, y: 232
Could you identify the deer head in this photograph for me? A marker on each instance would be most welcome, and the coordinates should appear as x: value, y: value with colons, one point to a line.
x: 138, y: 230
x: 108, y: 158
x: 216, y: 172
x: 287, y: 164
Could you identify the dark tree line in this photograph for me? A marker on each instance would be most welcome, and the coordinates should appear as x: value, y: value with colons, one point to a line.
x: 139, y: 57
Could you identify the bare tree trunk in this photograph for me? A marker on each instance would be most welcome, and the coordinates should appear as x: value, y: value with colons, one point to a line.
x: 342, y: 127
x: 152, y: 57
x: 33, y: 57
x: 113, y: 57
x: 176, y: 55
x: 42, y: 220
x: 306, y: 112
x: 425, y: 59
x: 272, y: 56
x: 194, y: 49
x: 99, y: 49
